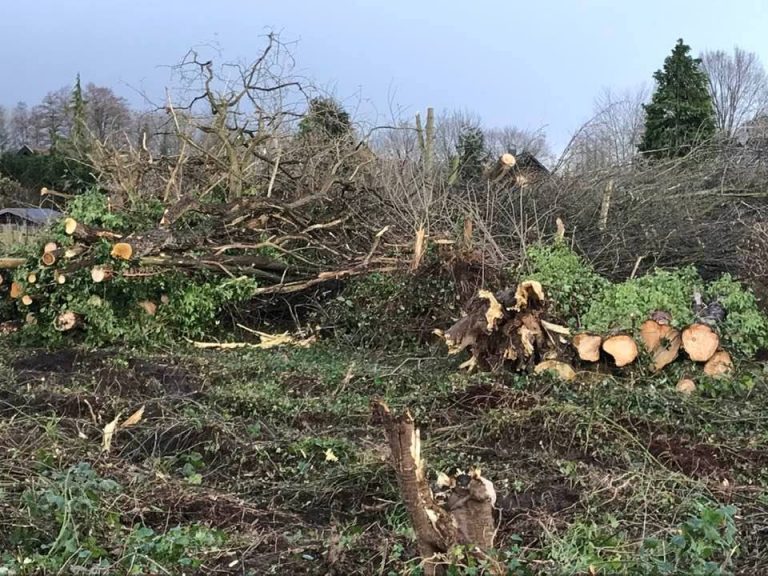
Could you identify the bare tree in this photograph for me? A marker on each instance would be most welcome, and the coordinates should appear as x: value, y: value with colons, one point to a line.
x: 50, y: 120
x: 611, y: 136
x: 20, y: 126
x: 516, y: 140
x: 108, y: 114
x: 449, y: 126
x: 4, y: 130
x: 738, y: 85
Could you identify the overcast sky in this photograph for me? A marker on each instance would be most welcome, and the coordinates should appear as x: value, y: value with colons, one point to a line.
x: 531, y: 64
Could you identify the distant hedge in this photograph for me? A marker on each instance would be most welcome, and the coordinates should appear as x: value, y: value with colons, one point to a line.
x: 50, y: 170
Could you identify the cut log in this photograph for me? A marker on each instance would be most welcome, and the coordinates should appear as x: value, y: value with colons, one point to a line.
x: 59, y: 277
x: 30, y: 318
x: 667, y: 349
x: 555, y: 328
x: 686, y: 386
x: 1, y: 280
x: 467, y: 517
x: 700, y: 342
x: 148, y: 306
x: 87, y: 233
x: 48, y: 258
x: 11, y: 263
x: 26, y: 300
x: 67, y: 321
x: 720, y: 365
x: 650, y: 334
x: 501, y: 167
x: 17, y: 290
x: 122, y: 251
x: 622, y: 348
x: 588, y: 346
x: 31, y: 278
x: 561, y: 369
x: 50, y: 247
x: 74, y: 251
x: 100, y: 274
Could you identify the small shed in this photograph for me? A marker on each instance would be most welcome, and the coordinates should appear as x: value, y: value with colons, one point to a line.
x: 27, y: 150
x: 27, y: 216
x: 23, y: 224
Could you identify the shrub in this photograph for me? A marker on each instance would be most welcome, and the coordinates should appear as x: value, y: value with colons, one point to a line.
x: 745, y: 328
x: 590, y: 302
x: 393, y: 310
x: 569, y: 281
x: 628, y: 304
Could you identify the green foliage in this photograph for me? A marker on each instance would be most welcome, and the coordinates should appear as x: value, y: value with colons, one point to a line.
x: 92, y: 208
x: 745, y: 328
x: 68, y: 524
x: 63, y: 506
x: 472, y: 154
x: 325, y: 119
x: 392, y: 310
x: 180, y: 547
x: 681, y: 113
x: 52, y: 170
x: 702, y: 546
x: 111, y: 310
x: 569, y: 281
x: 590, y: 302
x: 628, y: 304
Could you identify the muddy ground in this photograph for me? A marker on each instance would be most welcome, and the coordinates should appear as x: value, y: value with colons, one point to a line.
x: 267, y: 462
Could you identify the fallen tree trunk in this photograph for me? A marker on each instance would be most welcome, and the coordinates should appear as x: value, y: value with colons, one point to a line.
x: 87, y: 234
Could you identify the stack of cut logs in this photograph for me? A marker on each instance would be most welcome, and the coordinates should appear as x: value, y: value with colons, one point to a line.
x: 662, y: 342
x: 513, y: 331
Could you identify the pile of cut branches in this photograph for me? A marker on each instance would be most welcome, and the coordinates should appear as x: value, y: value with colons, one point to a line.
x: 262, y: 246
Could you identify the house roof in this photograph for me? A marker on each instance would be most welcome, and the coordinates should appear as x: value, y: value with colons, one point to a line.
x: 34, y: 215
x: 528, y: 160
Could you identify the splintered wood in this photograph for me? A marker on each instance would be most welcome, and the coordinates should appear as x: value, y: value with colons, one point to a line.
x: 464, y: 518
x: 505, y: 329
x: 510, y: 329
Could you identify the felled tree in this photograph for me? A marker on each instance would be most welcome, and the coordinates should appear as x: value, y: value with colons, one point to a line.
x: 680, y: 113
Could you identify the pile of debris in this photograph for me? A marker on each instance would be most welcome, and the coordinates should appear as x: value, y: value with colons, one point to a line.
x: 280, y: 245
x: 513, y: 330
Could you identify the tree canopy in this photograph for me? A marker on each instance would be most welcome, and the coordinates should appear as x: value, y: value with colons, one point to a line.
x: 680, y: 113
